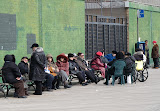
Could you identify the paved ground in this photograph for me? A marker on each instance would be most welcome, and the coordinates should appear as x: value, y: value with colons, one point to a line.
x: 136, y: 97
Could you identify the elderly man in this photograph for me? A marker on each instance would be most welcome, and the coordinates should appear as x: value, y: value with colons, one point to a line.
x: 37, y: 73
x: 155, y: 54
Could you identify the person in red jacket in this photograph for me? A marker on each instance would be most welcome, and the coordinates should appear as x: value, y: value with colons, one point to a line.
x: 97, y: 63
x: 62, y: 63
x: 63, y: 66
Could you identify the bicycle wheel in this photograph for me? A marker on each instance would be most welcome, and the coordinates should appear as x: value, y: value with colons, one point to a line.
x: 143, y: 75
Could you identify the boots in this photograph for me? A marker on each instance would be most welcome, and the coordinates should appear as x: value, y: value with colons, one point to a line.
x: 66, y: 85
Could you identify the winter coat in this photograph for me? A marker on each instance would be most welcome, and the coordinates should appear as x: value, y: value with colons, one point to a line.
x: 63, y: 65
x: 23, y: 67
x: 155, y: 51
x: 110, y: 57
x: 104, y: 60
x: 130, y: 63
x: 73, y: 67
x: 10, y: 70
x: 96, y: 63
x: 37, y: 65
x: 139, y: 56
x: 81, y: 63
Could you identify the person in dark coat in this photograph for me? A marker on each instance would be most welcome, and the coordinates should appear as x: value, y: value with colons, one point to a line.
x: 155, y: 54
x: 75, y: 69
x: 83, y: 67
x: 23, y: 66
x: 110, y: 70
x: 12, y: 75
x: 130, y: 62
x: 37, y: 73
x: 147, y: 53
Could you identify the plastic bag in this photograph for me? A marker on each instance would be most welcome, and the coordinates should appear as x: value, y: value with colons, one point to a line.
x: 129, y: 79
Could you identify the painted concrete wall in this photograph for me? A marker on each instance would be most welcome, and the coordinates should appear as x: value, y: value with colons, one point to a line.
x: 149, y: 26
x: 59, y: 25
x: 27, y: 21
x: 63, y: 26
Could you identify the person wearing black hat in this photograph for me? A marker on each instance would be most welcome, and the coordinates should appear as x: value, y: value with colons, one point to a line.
x: 37, y: 73
x: 75, y: 69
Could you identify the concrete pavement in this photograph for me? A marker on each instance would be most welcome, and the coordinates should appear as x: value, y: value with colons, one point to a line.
x: 143, y: 96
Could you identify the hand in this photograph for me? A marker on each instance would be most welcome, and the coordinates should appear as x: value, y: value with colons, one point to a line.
x: 86, y: 69
x: 75, y: 68
x: 53, y: 68
x: 18, y: 78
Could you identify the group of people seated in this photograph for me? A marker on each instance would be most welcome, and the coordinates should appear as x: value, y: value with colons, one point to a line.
x: 47, y: 74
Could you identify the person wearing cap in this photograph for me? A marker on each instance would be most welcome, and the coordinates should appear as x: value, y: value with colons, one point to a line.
x: 37, y: 66
x: 111, y: 56
x: 97, y: 64
x: 84, y: 67
x: 24, y: 68
x: 155, y: 54
x: 63, y: 66
x: 75, y: 69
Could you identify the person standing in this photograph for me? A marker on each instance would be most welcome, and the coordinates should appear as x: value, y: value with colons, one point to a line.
x: 155, y: 54
x: 147, y: 52
x: 37, y: 65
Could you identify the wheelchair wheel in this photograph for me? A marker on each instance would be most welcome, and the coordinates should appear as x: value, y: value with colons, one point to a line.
x: 143, y: 75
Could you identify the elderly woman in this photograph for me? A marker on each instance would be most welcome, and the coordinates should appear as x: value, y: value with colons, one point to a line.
x: 97, y: 63
x: 63, y: 66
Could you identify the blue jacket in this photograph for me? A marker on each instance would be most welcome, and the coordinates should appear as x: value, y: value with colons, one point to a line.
x: 109, y: 57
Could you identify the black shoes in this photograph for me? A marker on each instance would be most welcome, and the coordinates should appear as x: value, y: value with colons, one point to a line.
x: 22, y: 97
x: 36, y: 94
x: 84, y: 84
x: 67, y: 86
x: 97, y: 80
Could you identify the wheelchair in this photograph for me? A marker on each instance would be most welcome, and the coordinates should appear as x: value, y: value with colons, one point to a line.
x: 141, y: 72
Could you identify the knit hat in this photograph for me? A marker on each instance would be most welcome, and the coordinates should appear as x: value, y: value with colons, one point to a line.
x: 154, y: 41
x: 49, y: 55
x: 99, y: 53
